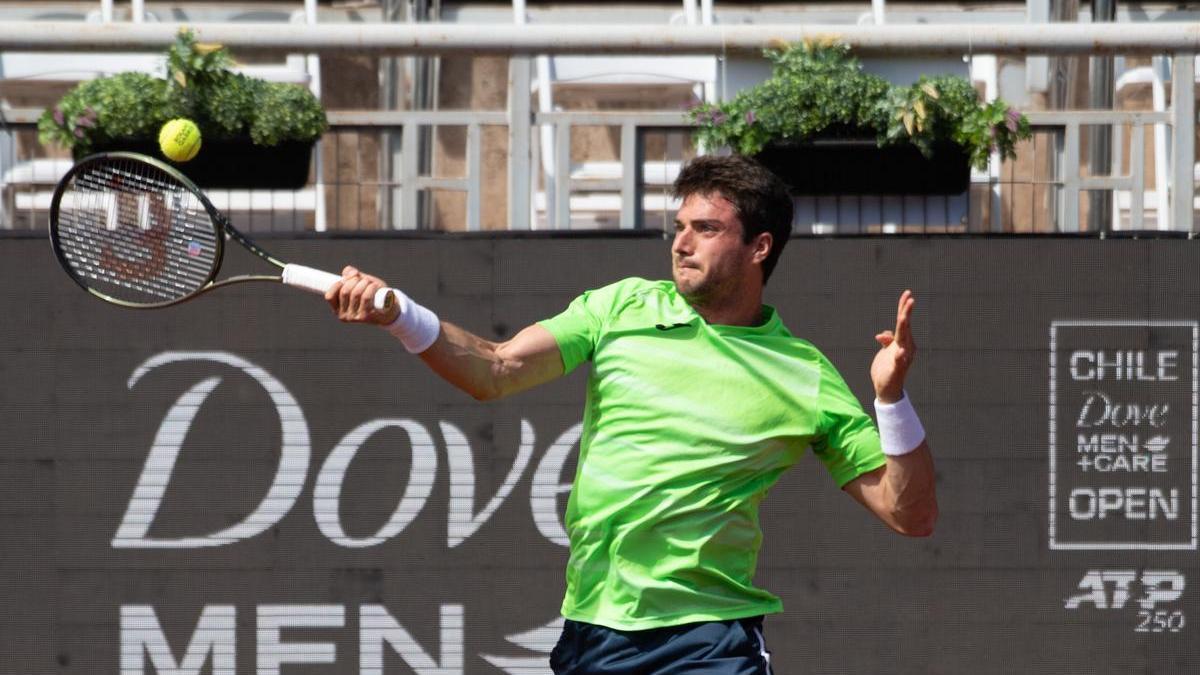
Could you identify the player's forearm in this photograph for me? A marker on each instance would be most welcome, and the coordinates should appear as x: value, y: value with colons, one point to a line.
x: 481, y: 368
x: 489, y: 370
x: 908, y: 500
x: 466, y: 361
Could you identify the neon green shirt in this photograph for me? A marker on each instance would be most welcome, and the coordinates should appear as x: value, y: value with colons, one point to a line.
x: 687, y: 425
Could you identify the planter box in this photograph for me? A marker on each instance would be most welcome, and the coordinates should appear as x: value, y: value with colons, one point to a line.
x: 856, y: 166
x: 234, y: 163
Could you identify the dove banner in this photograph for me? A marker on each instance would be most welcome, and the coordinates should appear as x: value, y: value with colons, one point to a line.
x: 1123, y: 420
x: 244, y: 485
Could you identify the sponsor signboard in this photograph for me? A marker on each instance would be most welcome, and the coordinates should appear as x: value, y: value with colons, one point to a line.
x: 1123, y: 434
x: 244, y: 485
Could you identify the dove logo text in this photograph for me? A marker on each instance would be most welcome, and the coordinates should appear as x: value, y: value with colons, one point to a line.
x: 455, y: 454
x: 1099, y: 409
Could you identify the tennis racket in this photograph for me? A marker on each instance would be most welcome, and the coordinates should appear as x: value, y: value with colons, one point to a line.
x: 134, y: 231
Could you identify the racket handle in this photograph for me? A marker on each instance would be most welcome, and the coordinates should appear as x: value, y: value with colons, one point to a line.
x: 318, y: 281
x: 308, y: 278
x: 385, y: 298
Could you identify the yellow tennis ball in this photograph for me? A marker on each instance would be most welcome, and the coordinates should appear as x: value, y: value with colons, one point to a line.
x: 179, y: 139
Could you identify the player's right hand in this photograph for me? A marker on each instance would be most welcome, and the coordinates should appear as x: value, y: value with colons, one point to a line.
x: 353, y: 299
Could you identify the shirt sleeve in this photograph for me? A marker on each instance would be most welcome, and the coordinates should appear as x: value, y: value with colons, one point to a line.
x: 578, y: 328
x: 848, y: 443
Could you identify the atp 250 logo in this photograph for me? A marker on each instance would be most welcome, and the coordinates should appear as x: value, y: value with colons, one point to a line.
x: 1153, y: 592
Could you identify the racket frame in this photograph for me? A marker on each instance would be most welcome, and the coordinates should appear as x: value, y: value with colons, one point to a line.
x: 222, y: 227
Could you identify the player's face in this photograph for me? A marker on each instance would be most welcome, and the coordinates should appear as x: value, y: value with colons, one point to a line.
x: 708, y: 256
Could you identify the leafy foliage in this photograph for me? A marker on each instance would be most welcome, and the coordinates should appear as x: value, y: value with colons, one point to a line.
x: 820, y: 88
x: 283, y: 114
x: 126, y: 105
x: 230, y: 105
x: 194, y: 66
x: 199, y: 86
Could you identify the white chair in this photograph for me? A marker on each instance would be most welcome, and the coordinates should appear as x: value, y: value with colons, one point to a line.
x: 1155, y: 201
x: 26, y: 189
x: 596, y: 203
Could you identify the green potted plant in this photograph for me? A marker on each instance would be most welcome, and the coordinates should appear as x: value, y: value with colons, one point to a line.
x: 826, y: 127
x: 255, y: 134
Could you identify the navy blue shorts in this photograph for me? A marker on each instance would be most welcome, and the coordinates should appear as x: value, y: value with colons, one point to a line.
x: 732, y: 647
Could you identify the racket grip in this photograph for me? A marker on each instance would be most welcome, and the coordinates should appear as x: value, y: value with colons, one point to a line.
x: 385, y: 298
x: 318, y: 281
x: 308, y: 278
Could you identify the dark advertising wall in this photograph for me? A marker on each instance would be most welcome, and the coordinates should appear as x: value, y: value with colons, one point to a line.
x: 244, y: 485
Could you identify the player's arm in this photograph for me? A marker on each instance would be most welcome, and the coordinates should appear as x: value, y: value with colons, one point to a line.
x: 484, y: 369
x: 488, y: 370
x: 901, y: 493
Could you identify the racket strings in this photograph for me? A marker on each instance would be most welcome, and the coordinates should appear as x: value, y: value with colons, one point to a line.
x: 85, y: 250
x: 127, y: 246
x: 133, y: 232
x: 122, y: 261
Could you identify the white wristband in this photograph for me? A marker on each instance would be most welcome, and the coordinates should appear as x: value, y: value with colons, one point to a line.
x: 416, y: 327
x: 900, y: 431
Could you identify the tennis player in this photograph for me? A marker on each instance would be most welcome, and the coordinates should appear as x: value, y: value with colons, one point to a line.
x: 698, y: 399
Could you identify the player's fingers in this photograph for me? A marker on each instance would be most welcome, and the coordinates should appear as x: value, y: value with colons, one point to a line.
x: 369, y: 311
x: 356, y: 273
x: 903, y: 326
x: 884, y: 339
x: 905, y: 354
x: 900, y: 306
x: 334, y: 297
x: 358, y: 303
x: 903, y: 317
x: 345, y: 296
x: 349, y: 271
x: 331, y: 294
x: 906, y: 337
x: 351, y: 298
x: 373, y: 284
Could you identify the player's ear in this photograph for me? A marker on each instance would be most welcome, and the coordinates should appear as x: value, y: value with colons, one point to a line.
x: 762, y: 246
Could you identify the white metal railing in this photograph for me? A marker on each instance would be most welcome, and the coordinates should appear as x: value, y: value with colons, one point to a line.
x: 528, y: 40
x: 1072, y: 184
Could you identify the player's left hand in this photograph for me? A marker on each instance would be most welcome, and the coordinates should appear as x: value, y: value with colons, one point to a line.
x: 897, y: 352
